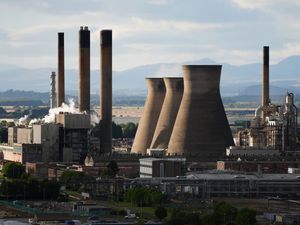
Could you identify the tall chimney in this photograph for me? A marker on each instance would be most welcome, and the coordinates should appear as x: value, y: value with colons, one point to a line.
x: 265, y: 85
x: 52, y: 91
x: 201, y: 127
x: 148, y: 121
x: 106, y: 91
x: 84, y: 70
x: 61, y: 70
x: 169, y: 110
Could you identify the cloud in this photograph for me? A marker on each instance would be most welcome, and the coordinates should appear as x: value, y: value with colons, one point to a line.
x: 158, y: 2
x: 264, y: 4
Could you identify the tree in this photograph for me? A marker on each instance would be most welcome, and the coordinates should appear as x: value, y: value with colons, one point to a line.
x: 112, y: 169
x: 161, y: 212
x: 246, y: 216
x: 13, y: 170
x: 129, y: 130
x: 74, y: 179
x: 179, y: 217
x: 142, y: 196
x: 116, y: 131
x: 225, y: 213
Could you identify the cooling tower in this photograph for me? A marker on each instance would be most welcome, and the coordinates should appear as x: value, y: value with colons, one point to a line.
x: 167, y: 117
x: 84, y: 70
x: 148, y: 121
x: 106, y: 91
x: 61, y: 70
x: 201, y: 127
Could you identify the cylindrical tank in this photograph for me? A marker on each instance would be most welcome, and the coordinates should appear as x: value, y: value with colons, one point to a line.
x: 201, y: 127
x: 148, y: 121
x: 106, y: 91
x: 163, y: 131
x: 84, y: 70
x: 61, y: 70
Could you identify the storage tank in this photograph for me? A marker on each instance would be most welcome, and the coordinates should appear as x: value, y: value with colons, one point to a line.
x: 148, y: 121
x: 163, y: 131
x: 201, y: 127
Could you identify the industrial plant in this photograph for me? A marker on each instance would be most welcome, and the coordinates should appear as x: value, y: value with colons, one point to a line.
x: 63, y: 135
x: 183, y: 125
x: 273, y: 131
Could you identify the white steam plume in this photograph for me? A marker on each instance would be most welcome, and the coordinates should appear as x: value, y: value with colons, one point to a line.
x: 94, y: 118
x: 70, y: 108
x: 23, y: 120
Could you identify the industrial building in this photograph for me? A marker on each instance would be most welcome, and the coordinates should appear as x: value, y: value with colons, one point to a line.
x: 64, y: 140
x: 274, y: 128
x: 274, y: 165
x: 162, y: 167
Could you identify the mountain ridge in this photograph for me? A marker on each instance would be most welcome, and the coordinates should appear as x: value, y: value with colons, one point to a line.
x: 235, y: 78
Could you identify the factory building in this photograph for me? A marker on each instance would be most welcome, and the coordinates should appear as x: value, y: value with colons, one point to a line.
x: 73, y: 133
x: 274, y: 127
x: 65, y: 140
x: 22, y: 153
x: 162, y: 167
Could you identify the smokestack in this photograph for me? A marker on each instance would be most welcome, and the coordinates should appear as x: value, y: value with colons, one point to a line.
x: 84, y: 70
x: 52, y: 91
x: 148, y: 121
x: 106, y: 91
x: 167, y: 117
x: 201, y: 127
x: 61, y: 70
x: 265, y: 85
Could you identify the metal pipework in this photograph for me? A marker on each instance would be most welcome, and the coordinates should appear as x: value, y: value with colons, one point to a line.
x: 148, y: 121
x: 84, y: 70
x: 106, y: 91
x: 201, y: 127
x: 61, y: 70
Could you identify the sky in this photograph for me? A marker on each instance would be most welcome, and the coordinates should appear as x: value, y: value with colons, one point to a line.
x: 149, y: 31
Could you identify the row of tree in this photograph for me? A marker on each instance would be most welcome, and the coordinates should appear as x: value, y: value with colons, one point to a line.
x: 223, y: 213
x: 127, y: 130
x: 18, y: 184
x: 141, y: 196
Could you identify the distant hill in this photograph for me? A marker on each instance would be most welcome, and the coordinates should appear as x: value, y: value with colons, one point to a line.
x: 235, y: 80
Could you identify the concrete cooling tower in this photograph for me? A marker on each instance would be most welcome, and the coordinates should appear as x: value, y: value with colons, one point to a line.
x: 163, y: 131
x: 201, y: 127
x: 148, y: 121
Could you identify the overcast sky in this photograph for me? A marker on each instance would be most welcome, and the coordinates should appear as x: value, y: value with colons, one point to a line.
x: 150, y: 31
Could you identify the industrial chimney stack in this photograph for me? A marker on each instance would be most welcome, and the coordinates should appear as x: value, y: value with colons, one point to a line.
x: 52, y: 91
x: 61, y: 70
x: 84, y: 70
x: 265, y: 86
x: 106, y: 91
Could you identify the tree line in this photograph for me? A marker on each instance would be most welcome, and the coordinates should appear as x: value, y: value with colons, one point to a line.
x: 18, y: 184
x: 127, y: 130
